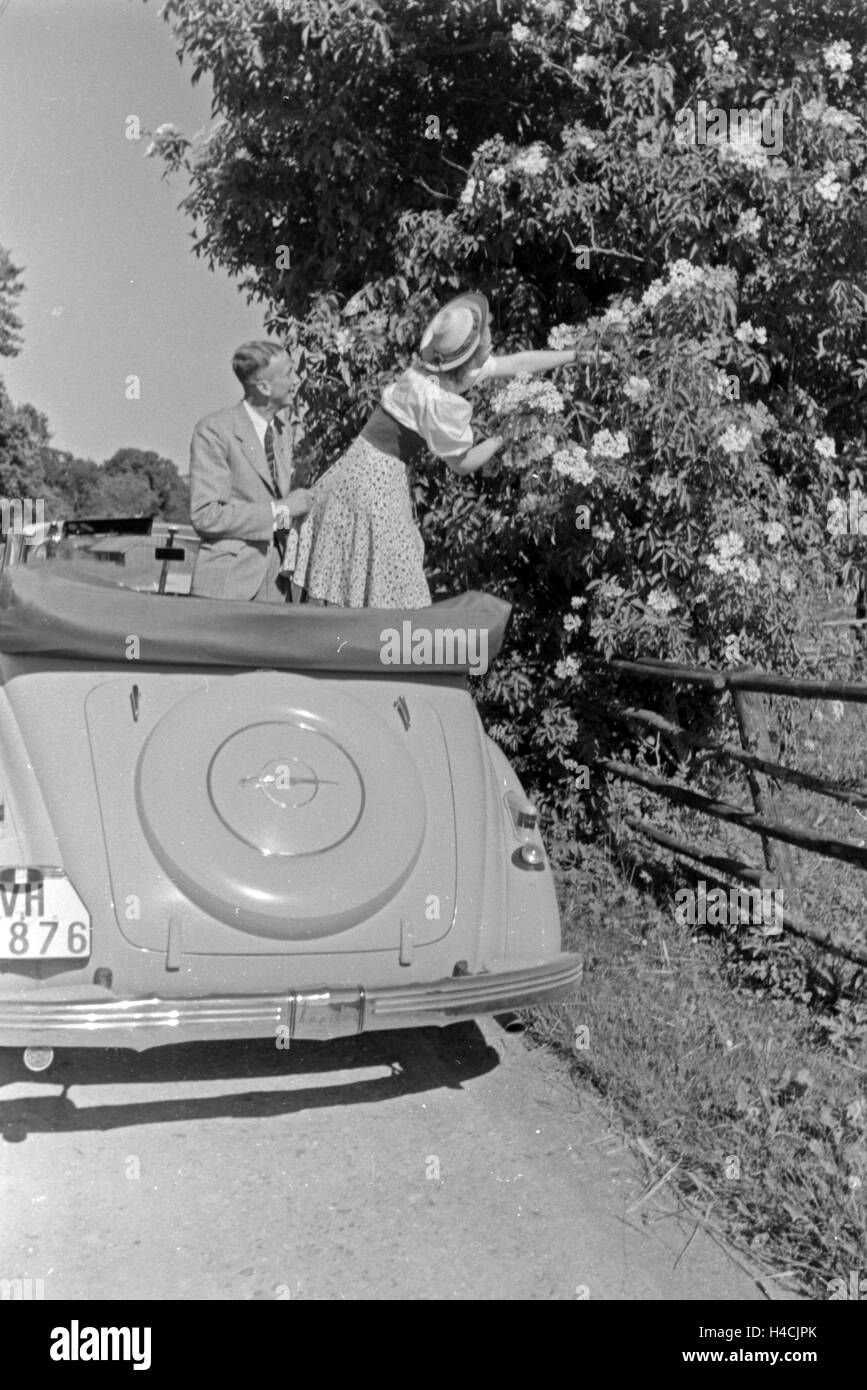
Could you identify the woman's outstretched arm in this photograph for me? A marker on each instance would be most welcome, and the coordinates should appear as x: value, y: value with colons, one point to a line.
x: 517, y: 363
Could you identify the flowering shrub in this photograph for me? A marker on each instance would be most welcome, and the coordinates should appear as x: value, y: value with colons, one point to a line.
x: 669, y: 498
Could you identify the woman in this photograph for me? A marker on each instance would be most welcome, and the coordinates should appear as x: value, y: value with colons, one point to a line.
x: 359, y: 545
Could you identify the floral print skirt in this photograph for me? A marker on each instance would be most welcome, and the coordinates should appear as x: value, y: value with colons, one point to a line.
x: 359, y: 545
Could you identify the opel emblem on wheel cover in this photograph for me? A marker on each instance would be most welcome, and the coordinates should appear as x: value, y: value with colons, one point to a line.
x: 288, y: 782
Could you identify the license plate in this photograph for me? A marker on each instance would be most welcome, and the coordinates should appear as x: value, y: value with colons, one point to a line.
x: 43, y: 921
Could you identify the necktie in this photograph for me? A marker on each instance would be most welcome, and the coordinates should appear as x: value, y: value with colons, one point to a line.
x: 272, y: 459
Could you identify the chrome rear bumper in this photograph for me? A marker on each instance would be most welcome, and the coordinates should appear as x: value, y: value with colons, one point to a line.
x: 88, y: 1016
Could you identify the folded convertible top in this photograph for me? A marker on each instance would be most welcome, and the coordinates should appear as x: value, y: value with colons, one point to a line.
x: 46, y: 611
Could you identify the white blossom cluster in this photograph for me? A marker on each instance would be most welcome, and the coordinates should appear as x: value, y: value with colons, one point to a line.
x: 497, y: 176
x: 774, y: 532
x: 722, y: 54
x: 746, y: 333
x: 571, y: 623
x: 734, y: 441
x: 610, y: 588
x: 579, y: 20
x: 788, y: 582
x: 569, y: 666
x: 572, y: 463
x: 532, y: 161
x: 837, y: 56
x: 813, y: 109
x: 343, y: 340
x: 637, y: 388
x: 527, y: 393
x: 828, y: 187
x: 730, y: 559
x: 749, y: 224
x: 576, y: 604
x: 732, y: 649
x: 468, y: 192
x: 825, y: 447
x: 682, y: 277
x: 744, y: 148
x: 605, y: 445
x: 565, y: 335
x: 661, y: 601
x: 605, y: 533
x: 836, y: 119
x: 585, y: 64
x: 521, y: 34
x: 760, y: 417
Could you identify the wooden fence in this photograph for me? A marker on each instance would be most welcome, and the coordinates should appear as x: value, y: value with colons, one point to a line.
x: 747, y: 688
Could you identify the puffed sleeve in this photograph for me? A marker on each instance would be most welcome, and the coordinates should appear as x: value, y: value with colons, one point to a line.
x: 440, y: 417
x: 444, y: 423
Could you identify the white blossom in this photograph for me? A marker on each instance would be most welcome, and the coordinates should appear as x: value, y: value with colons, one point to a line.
x: 578, y: 603
x: 729, y: 550
x: 774, y: 532
x: 746, y: 333
x: 585, y: 63
x: 637, y: 388
x: 825, y: 447
x: 468, y: 192
x: 572, y: 463
x: 734, y: 440
x: 528, y: 393
x: 579, y: 20
x: 682, y: 277
x: 532, y: 161
x: 497, y: 177
x: 521, y: 34
x: 343, y: 340
x: 605, y: 533
x: 812, y: 110
x: 732, y: 649
x: 722, y: 54
x: 749, y: 224
x: 837, y: 56
x: 828, y: 187
x: 570, y: 666
x: 836, y: 119
x: 606, y: 445
x: 661, y: 601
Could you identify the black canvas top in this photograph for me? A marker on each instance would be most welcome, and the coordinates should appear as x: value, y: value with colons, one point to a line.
x: 50, y: 610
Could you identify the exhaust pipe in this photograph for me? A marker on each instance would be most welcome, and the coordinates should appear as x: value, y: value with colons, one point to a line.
x: 511, y: 1023
x: 38, y: 1058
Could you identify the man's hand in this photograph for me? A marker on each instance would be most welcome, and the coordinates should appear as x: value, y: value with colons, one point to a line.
x: 296, y: 504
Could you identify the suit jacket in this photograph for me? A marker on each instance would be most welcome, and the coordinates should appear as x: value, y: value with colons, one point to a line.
x: 230, y: 504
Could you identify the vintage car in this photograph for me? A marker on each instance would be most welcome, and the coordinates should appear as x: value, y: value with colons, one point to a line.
x: 235, y: 820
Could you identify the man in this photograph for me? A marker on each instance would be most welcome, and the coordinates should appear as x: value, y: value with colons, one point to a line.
x: 240, y: 477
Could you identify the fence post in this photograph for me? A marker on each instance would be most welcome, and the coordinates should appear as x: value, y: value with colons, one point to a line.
x: 753, y: 727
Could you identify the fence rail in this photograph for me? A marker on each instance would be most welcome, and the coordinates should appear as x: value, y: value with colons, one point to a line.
x: 746, y: 686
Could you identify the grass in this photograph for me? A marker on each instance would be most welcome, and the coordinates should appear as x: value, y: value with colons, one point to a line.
x: 737, y: 1064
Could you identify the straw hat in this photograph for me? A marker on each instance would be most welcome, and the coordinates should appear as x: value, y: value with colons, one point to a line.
x: 452, y: 337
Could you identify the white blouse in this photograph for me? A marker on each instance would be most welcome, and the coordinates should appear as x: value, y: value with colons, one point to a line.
x: 418, y: 400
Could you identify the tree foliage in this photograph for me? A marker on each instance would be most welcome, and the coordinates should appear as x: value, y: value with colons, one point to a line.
x: 675, y: 503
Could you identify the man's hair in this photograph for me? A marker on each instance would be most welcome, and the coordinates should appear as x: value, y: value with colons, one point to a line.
x: 250, y: 358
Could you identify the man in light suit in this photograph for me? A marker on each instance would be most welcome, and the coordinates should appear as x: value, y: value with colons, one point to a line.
x: 240, y: 479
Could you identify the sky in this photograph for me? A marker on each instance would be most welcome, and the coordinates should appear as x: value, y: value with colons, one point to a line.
x: 112, y: 286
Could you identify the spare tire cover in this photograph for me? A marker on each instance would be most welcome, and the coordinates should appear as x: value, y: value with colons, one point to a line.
x: 281, y: 805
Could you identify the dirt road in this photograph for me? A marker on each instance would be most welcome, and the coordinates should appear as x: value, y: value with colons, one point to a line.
x: 458, y: 1165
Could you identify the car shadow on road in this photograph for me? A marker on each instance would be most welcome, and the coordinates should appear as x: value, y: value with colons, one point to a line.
x: 418, y: 1060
